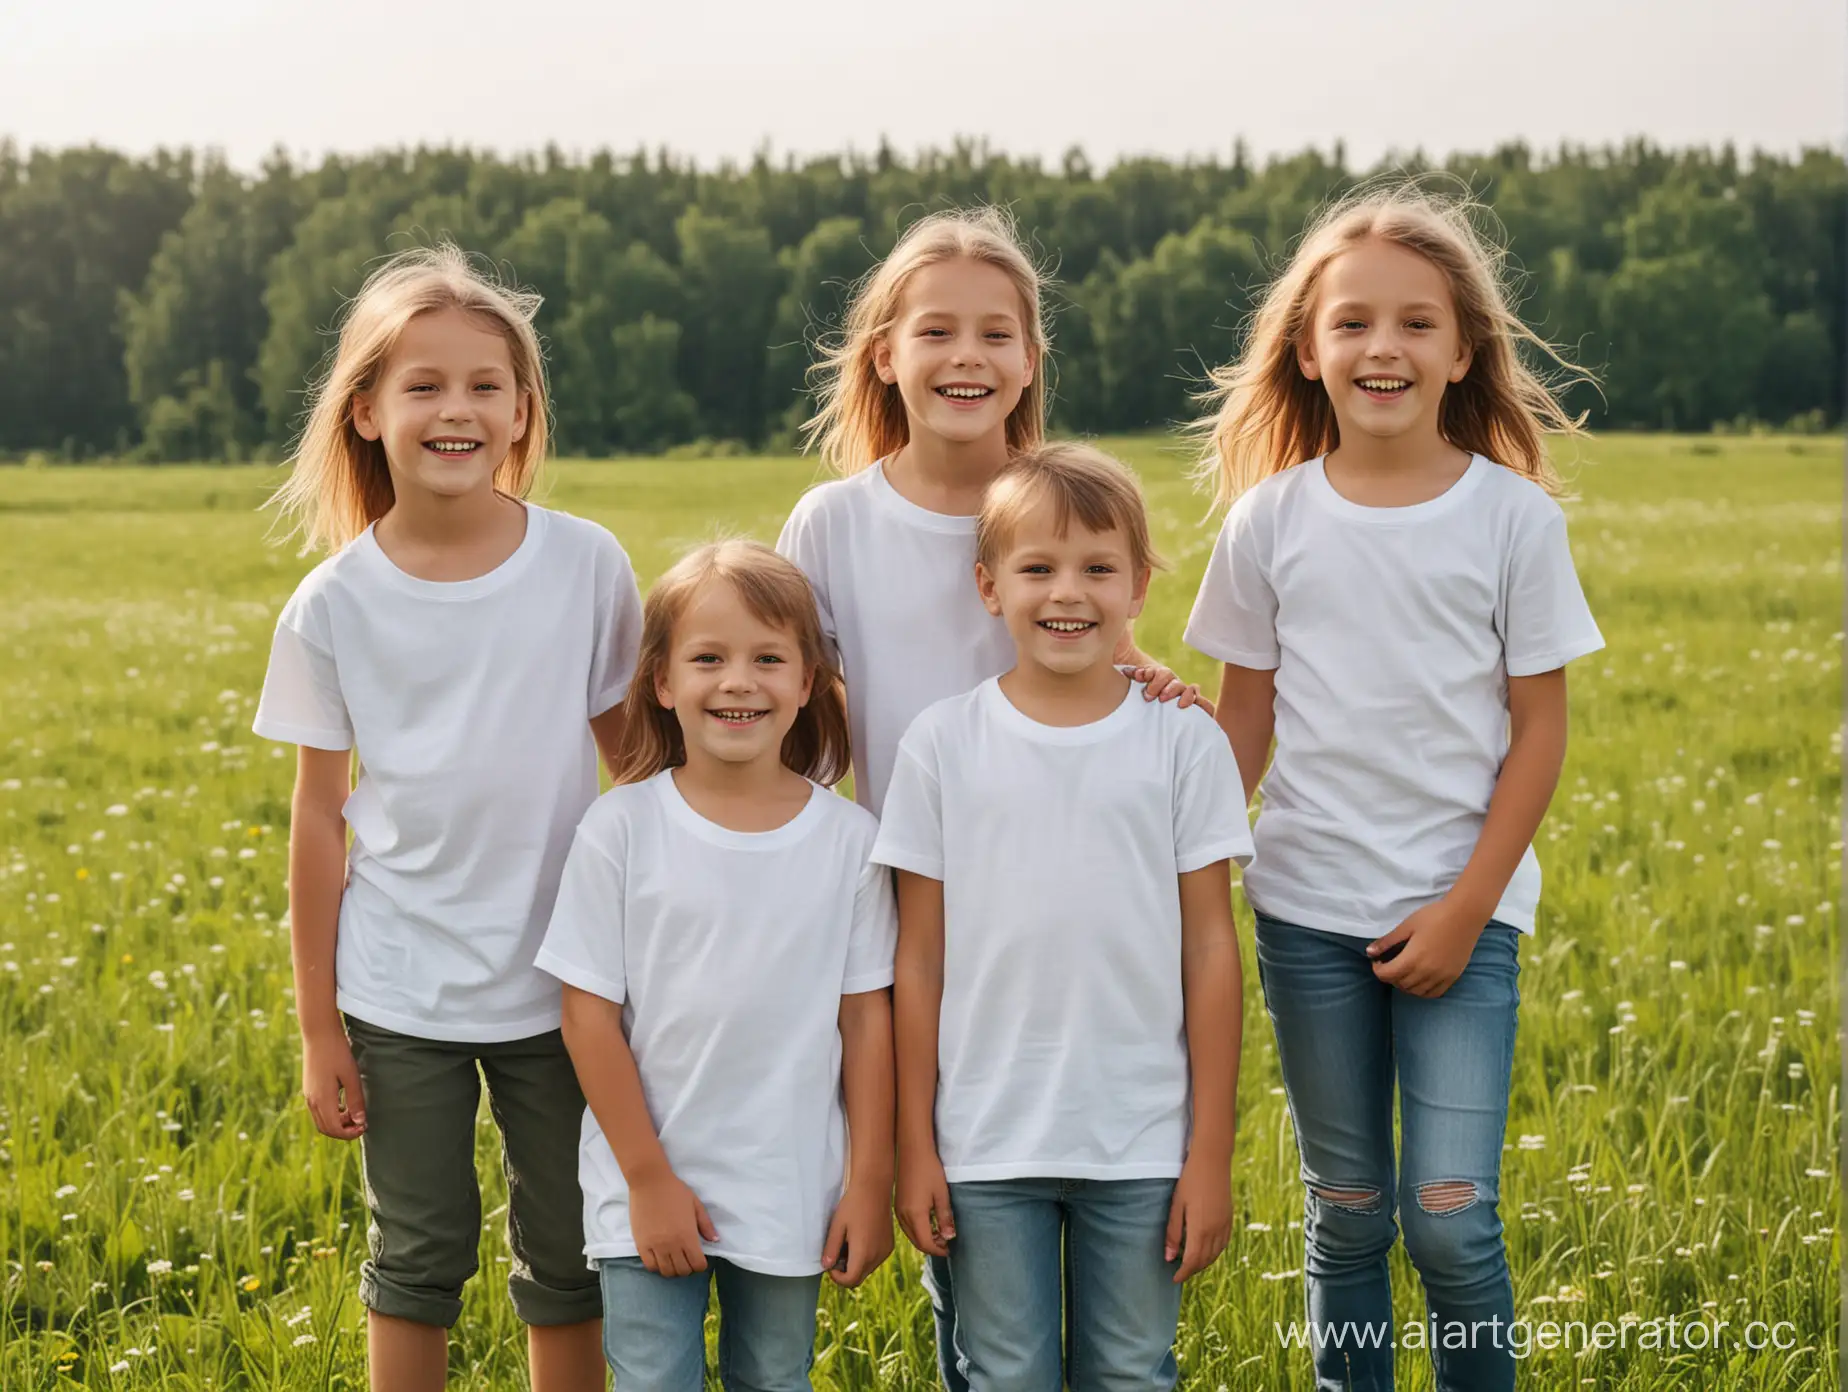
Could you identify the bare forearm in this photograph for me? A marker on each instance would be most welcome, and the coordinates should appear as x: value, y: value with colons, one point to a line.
x: 1529, y: 776
x: 916, y: 1001
x: 317, y: 875
x: 1247, y: 712
x: 868, y: 1087
x: 1212, y: 987
x: 612, y: 1084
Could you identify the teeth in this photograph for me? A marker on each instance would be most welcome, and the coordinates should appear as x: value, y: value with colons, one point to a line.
x: 970, y: 393
x: 451, y: 446
x: 1383, y: 383
x: 1066, y: 625
x: 739, y: 717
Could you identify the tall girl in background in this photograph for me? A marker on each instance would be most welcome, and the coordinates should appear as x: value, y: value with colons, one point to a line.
x: 726, y: 945
x: 1394, y: 600
x: 468, y: 646
x: 938, y: 379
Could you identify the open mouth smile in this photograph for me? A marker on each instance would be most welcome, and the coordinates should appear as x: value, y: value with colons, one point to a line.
x: 738, y: 718
x: 1383, y: 388
x: 452, y: 448
x: 1067, y: 628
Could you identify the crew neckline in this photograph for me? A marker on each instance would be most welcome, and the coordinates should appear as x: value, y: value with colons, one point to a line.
x: 907, y: 511
x: 710, y: 831
x: 1331, y: 498
x: 1090, y: 732
x: 476, y: 585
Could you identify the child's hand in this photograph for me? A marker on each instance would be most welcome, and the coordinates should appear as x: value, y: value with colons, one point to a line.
x: 924, y: 1203
x: 330, y: 1084
x: 860, y: 1235
x: 1159, y: 684
x: 1200, y: 1217
x: 667, y: 1221
x: 1437, y: 943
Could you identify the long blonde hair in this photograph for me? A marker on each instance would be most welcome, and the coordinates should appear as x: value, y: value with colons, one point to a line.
x: 861, y: 419
x: 341, y: 484
x: 776, y: 592
x: 1266, y: 416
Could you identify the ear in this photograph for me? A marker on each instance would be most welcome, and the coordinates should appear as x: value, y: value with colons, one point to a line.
x: 365, y: 419
x: 1139, y: 596
x: 1305, y: 358
x: 882, y: 360
x: 808, y: 683
x: 1460, y: 368
x: 985, y: 586
x: 520, y: 413
x: 663, y: 696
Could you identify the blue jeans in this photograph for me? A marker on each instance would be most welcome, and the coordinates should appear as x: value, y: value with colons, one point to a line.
x: 1029, y: 1250
x: 942, y: 1293
x: 654, y: 1327
x: 1341, y: 1038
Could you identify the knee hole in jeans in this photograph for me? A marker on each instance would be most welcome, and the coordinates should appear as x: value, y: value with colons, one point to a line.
x: 1352, y: 1200
x: 1446, y: 1196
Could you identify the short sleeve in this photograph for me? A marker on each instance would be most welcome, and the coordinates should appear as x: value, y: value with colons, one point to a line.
x: 801, y: 542
x: 1211, y: 823
x: 874, y: 937
x: 619, y: 628
x: 1544, y: 620
x: 1234, y: 616
x: 911, y: 821
x: 583, y: 944
x: 301, y: 701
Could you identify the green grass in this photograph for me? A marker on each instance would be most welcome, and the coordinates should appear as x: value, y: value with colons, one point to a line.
x: 168, y: 1218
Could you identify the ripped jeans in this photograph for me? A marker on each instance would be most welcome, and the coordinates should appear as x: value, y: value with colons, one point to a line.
x: 1342, y: 1038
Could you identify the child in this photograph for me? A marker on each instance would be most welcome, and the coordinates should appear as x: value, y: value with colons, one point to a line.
x: 1401, y: 607
x: 937, y: 380
x: 467, y: 646
x: 1067, y: 991
x: 726, y: 946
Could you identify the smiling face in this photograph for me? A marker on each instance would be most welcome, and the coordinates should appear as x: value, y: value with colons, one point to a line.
x: 1383, y: 339
x: 734, y: 682
x: 957, y: 350
x: 447, y: 405
x: 1065, y: 599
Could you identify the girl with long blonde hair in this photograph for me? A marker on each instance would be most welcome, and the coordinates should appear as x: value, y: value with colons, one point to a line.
x: 472, y: 649
x: 1394, y: 601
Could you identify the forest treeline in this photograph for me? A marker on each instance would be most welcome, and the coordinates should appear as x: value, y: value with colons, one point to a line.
x: 172, y: 307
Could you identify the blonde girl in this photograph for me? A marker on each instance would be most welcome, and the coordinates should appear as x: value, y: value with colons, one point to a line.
x: 726, y: 948
x: 936, y: 381
x: 471, y: 649
x: 1394, y: 600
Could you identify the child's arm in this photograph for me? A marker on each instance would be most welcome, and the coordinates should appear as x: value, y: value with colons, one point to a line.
x: 1212, y: 984
x: 917, y: 1001
x: 1248, y: 714
x: 606, y: 729
x: 860, y: 1235
x: 317, y: 877
x: 666, y: 1218
x: 1440, y: 937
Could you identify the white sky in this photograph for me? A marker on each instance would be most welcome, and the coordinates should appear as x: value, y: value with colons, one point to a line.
x: 717, y: 78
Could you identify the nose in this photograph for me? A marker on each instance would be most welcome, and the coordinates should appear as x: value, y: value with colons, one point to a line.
x: 968, y: 352
x: 457, y: 405
x: 1383, y: 342
x: 1065, y: 588
x: 738, y: 677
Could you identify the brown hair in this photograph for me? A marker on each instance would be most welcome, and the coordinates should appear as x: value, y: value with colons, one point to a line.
x: 1083, y: 483
x: 861, y: 419
x: 775, y: 591
x: 341, y: 483
x: 1268, y: 417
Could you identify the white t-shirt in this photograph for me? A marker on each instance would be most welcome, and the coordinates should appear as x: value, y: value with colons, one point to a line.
x: 729, y: 952
x: 1393, y: 632
x: 895, y: 584
x: 1061, y: 1047
x: 469, y: 702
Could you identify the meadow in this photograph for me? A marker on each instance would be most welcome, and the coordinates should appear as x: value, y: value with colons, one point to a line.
x: 169, y: 1219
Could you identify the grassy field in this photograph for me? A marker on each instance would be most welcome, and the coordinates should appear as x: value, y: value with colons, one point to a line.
x: 169, y: 1219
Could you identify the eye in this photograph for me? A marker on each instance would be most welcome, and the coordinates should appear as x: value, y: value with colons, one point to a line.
x: 1101, y: 568
x: 708, y: 658
x: 934, y: 333
x: 420, y: 387
x: 1036, y: 568
x: 769, y: 657
x: 1351, y: 324
x: 1001, y: 334
x: 487, y: 386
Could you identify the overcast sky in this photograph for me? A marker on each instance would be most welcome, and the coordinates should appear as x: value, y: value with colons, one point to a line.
x: 717, y: 79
